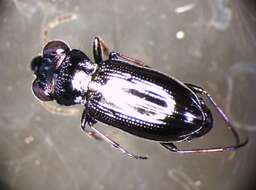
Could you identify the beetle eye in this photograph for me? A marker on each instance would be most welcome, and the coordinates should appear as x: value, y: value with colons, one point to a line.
x: 36, y: 64
x: 54, y: 48
x: 42, y: 92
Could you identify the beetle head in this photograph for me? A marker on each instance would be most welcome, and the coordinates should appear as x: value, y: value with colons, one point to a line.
x: 44, y: 66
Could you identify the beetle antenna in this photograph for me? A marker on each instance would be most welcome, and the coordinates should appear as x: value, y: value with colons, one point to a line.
x: 55, y: 22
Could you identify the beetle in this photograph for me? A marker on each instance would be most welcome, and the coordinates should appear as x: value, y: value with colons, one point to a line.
x: 127, y: 94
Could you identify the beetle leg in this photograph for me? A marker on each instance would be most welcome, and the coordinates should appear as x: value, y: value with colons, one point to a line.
x: 125, y: 58
x: 170, y: 146
x: 230, y: 126
x: 173, y: 148
x: 99, y: 48
x: 86, y: 125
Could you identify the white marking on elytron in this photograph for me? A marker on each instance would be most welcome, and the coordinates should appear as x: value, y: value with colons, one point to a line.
x: 117, y: 97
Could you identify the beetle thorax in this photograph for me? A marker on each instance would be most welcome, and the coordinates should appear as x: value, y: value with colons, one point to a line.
x: 80, y: 81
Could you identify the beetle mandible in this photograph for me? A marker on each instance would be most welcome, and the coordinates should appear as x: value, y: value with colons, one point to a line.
x: 125, y: 93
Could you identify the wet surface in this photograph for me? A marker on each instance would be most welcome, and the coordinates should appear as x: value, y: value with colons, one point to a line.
x: 209, y: 43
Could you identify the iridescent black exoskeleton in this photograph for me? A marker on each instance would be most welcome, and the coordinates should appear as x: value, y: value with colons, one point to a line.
x: 124, y: 93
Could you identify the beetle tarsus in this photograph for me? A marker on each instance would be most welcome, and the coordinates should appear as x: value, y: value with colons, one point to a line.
x: 173, y: 148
